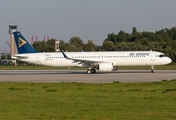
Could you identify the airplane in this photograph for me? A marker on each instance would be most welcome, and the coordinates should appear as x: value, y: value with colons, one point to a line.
x: 102, y: 61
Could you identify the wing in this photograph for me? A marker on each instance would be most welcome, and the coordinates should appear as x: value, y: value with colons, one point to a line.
x: 83, y: 61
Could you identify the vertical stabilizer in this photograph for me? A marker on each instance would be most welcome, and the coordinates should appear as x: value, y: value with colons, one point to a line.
x: 22, y: 44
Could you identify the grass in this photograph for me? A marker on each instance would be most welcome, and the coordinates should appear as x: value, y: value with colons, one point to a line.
x: 82, y: 101
x: 36, y: 67
x: 171, y: 66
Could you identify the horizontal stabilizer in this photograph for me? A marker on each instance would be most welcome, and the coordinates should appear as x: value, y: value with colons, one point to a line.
x: 19, y: 57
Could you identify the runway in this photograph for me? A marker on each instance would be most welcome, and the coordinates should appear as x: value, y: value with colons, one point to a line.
x: 82, y: 76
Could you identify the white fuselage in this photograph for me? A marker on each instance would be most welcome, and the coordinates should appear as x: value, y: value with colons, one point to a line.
x: 121, y: 58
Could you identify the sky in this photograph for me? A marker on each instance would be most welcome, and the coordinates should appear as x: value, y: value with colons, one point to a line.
x: 87, y: 19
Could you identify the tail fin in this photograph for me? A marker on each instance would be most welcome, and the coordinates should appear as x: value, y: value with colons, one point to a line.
x: 22, y: 44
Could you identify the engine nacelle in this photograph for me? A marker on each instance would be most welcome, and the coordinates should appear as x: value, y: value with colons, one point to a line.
x: 105, y: 67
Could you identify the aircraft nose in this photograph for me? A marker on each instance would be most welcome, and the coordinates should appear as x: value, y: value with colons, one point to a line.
x: 169, y: 60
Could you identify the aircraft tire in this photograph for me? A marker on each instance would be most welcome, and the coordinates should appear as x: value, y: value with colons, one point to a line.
x: 88, y: 71
x: 93, y: 71
x: 153, y: 71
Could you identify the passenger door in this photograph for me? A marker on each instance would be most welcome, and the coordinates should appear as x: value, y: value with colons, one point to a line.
x: 152, y: 56
x: 37, y: 59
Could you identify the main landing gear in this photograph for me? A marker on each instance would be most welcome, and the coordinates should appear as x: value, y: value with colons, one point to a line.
x: 153, y: 69
x: 89, y: 71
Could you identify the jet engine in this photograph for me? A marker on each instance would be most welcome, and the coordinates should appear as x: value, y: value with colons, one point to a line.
x: 105, y: 67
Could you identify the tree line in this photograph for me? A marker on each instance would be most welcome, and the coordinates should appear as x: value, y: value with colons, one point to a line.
x: 163, y: 40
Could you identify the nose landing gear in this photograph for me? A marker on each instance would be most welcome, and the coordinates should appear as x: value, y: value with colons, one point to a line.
x: 153, y: 69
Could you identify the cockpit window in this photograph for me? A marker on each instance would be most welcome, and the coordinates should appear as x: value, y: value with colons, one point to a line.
x: 162, y: 55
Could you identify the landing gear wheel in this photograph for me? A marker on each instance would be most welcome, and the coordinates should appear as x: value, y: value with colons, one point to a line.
x: 89, y: 71
x: 93, y: 71
x: 153, y: 71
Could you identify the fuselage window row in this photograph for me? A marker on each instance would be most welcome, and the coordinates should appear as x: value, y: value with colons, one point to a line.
x: 96, y: 57
x: 53, y: 57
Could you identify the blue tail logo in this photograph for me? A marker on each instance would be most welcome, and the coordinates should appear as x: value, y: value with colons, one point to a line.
x: 22, y: 44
